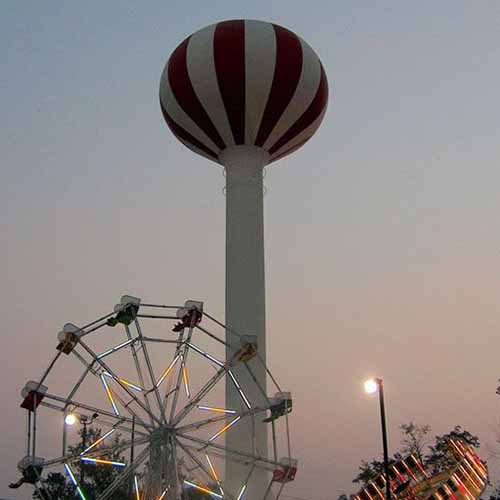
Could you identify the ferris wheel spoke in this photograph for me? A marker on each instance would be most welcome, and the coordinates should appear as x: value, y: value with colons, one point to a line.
x: 161, y: 306
x: 259, y: 357
x: 217, y: 322
x: 95, y: 322
x: 209, y: 472
x: 180, y: 342
x: 257, y: 383
x: 72, y: 457
x: 242, y: 490
x: 94, y: 409
x: 97, y: 442
x: 213, y: 472
x: 102, y: 377
x: 209, y: 421
x: 278, y: 494
x: 150, y: 368
x: 115, y: 425
x: 123, y: 386
x: 211, y: 335
x: 237, y: 460
x: 76, y: 404
x: 79, y: 383
x: 99, y: 375
x: 88, y: 364
x: 156, y: 316
x: 185, y: 379
x: 200, y: 395
x: 206, y: 445
x: 117, y: 348
x: 93, y: 329
x: 111, y: 395
x: 124, y: 428
x: 122, y: 446
x: 49, y: 368
x: 275, y: 445
x: 184, y: 351
x: 126, y: 474
x: 125, y: 404
x: 239, y: 389
x: 169, y: 391
x: 160, y: 341
x: 138, y: 369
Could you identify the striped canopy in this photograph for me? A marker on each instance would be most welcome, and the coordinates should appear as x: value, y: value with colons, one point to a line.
x: 243, y: 82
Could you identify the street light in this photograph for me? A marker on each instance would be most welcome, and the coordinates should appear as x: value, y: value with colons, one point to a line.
x: 70, y: 419
x: 371, y: 386
x: 84, y: 420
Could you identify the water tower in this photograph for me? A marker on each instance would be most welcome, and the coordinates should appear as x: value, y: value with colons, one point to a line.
x: 244, y: 94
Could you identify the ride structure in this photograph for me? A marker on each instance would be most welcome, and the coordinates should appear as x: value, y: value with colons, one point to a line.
x: 244, y: 94
x: 464, y: 477
x: 166, y: 403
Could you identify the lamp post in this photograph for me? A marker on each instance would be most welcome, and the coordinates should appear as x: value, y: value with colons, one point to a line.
x: 371, y: 386
x: 71, y: 419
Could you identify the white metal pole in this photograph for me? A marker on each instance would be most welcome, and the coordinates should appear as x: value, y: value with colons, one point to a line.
x: 245, y: 302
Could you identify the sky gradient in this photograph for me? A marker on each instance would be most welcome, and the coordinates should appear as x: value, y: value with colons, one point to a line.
x: 382, y: 233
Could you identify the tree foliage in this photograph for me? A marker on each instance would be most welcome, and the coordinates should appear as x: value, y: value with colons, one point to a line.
x: 438, y: 459
x: 96, y: 478
x: 414, y: 439
x: 495, y: 493
x: 370, y: 470
x: 434, y: 457
x: 56, y: 487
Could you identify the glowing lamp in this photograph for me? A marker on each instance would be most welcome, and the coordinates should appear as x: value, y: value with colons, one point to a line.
x: 371, y: 386
x: 70, y: 419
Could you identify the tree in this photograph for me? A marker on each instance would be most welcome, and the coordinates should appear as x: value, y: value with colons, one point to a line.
x: 495, y: 494
x: 370, y: 470
x: 438, y: 459
x: 434, y: 457
x: 414, y: 439
x: 56, y: 487
x: 412, y: 442
x: 96, y: 477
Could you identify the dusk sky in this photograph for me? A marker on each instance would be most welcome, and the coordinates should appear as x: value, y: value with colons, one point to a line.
x: 382, y: 233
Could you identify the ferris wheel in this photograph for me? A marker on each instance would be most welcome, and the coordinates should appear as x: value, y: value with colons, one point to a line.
x: 155, y: 376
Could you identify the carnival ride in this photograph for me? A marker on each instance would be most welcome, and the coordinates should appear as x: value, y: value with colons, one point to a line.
x: 464, y: 478
x: 167, y: 403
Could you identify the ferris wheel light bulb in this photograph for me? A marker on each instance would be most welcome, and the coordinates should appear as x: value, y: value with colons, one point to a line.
x: 371, y: 386
x: 70, y: 419
x: 242, y: 492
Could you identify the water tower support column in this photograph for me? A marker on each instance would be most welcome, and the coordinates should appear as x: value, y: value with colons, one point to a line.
x: 245, y: 298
